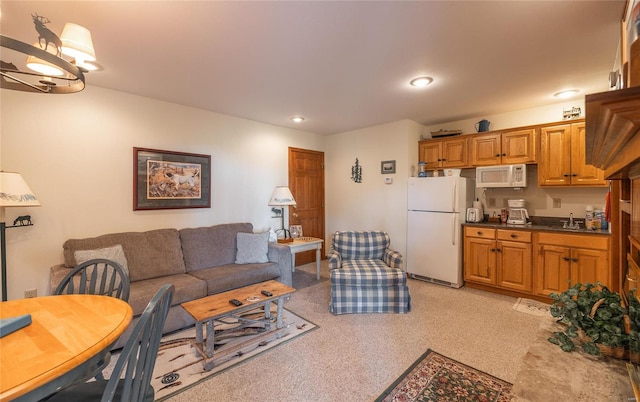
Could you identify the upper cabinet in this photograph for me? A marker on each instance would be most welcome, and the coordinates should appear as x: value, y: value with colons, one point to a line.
x: 444, y: 153
x: 562, y: 158
x: 507, y: 147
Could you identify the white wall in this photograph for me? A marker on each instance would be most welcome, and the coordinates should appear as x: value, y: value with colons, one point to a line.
x: 76, y: 154
x: 371, y: 204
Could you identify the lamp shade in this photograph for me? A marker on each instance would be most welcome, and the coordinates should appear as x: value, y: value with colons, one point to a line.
x: 41, y: 66
x: 282, y: 196
x: 77, y: 43
x: 14, y: 191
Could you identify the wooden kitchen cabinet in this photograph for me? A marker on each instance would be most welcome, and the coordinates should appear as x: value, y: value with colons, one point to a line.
x: 498, y: 257
x: 443, y: 153
x: 562, y: 260
x: 562, y: 158
x: 507, y: 147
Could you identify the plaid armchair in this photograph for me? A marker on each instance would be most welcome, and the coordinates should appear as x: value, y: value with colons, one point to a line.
x: 366, y: 276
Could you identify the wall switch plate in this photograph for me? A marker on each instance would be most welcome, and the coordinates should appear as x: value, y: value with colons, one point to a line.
x: 388, y: 180
x: 29, y: 293
x: 557, y: 203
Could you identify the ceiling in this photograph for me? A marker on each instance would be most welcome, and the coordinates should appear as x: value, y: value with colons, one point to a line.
x: 343, y: 65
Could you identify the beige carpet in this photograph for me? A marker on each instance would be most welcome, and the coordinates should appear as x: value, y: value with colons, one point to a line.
x: 356, y: 357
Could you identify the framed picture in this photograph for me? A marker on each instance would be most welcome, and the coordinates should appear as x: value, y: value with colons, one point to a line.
x: 170, y: 180
x: 387, y: 167
x: 296, y: 231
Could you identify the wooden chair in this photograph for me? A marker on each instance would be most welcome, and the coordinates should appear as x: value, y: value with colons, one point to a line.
x: 136, y: 361
x: 98, y: 277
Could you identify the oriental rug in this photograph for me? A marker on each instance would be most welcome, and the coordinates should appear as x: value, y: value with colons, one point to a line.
x: 179, y: 366
x: 533, y: 307
x: 434, y: 377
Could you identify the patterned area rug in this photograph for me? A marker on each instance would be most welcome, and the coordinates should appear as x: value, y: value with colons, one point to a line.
x: 434, y: 377
x: 533, y: 307
x: 179, y: 366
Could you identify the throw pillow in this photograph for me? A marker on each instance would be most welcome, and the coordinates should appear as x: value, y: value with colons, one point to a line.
x: 252, y: 248
x: 114, y: 253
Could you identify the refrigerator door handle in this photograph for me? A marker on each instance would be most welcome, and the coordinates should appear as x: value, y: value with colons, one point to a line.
x: 454, y: 229
x: 454, y: 196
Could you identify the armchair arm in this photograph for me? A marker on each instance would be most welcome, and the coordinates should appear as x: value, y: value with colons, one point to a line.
x: 281, y: 254
x: 334, y: 259
x: 392, y: 258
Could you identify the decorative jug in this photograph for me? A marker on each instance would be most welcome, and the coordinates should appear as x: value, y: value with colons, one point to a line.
x: 482, y: 125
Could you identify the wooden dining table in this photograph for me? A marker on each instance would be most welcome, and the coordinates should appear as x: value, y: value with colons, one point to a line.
x: 67, y: 336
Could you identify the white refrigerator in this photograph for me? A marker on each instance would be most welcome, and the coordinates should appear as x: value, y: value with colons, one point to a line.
x: 436, y: 211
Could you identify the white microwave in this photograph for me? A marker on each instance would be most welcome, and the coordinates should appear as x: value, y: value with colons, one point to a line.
x: 501, y: 176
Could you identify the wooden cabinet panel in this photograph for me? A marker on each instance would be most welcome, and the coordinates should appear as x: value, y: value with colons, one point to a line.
x: 562, y: 158
x: 552, y: 269
x: 443, y: 153
x: 519, y: 146
x: 589, y: 266
x: 480, y: 260
x: 430, y: 153
x: 514, y: 235
x: 485, y: 233
x: 514, y: 265
x: 486, y: 150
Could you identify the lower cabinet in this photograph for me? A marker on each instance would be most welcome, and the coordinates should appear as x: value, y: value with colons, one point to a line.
x: 565, y: 259
x: 533, y: 263
x: 499, y: 258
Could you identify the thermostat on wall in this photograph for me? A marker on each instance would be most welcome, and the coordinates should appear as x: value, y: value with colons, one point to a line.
x: 388, y: 180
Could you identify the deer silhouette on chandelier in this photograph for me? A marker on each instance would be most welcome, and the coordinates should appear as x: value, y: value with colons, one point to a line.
x: 46, y: 34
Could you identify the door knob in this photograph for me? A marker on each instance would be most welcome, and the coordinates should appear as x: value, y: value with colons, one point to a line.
x: 295, y: 215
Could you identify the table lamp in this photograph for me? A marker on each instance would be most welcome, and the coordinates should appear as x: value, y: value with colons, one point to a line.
x: 282, y: 197
x: 14, y: 192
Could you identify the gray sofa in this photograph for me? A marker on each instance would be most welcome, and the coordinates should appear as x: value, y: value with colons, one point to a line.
x: 197, y: 261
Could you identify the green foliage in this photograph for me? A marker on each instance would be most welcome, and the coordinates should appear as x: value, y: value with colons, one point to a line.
x: 594, y: 315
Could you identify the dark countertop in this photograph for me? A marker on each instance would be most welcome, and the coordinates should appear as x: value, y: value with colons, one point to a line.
x: 546, y: 224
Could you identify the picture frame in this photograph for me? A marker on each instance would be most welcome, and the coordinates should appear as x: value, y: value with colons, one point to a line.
x: 296, y: 231
x: 387, y: 167
x: 170, y: 180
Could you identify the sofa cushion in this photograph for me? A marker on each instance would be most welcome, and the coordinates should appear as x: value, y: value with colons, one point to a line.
x: 187, y: 288
x: 252, y: 248
x: 115, y: 253
x: 211, y: 246
x: 233, y: 276
x: 149, y: 254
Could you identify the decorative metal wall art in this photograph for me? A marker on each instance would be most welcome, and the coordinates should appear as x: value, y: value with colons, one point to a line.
x: 356, y: 172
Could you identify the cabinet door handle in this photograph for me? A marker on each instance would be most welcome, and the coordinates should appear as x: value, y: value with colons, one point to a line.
x: 566, y: 175
x: 498, y: 155
x: 566, y: 258
x: 574, y: 260
x: 514, y: 236
x: 493, y: 249
x: 504, y: 154
x: 574, y: 175
x: 479, y: 233
x: 499, y: 250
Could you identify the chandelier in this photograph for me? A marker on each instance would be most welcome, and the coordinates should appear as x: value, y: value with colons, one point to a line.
x: 57, y: 64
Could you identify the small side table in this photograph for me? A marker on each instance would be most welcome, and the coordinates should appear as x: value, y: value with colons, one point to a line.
x: 305, y: 244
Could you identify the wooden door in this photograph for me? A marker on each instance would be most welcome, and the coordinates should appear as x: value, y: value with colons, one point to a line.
x: 480, y: 260
x: 514, y: 265
x: 554, y: 164
x: 552, y: 269
x: 519, y: 146
x: 583, y: 174
x: 454, y: 153
x: 485, y: 150
x: 306, y: 181
x: 430, y: 154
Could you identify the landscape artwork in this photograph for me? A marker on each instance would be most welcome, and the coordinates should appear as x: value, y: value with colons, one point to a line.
x: 167, y: 180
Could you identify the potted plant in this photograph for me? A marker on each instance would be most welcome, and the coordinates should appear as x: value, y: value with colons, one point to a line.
x: 595, y: 318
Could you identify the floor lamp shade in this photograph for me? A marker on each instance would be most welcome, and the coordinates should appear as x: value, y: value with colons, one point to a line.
x: 14, y: 192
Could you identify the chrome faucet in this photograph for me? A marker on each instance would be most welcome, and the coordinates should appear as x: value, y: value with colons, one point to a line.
x: 572, y: 224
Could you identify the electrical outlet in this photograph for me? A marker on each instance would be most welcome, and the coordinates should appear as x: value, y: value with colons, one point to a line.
x: 557, y: 202
x: 29, y: 293
x: 491, y: 202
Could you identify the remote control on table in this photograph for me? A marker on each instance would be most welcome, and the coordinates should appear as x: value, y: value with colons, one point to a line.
x: 235, y: 302
x: 267, y: 293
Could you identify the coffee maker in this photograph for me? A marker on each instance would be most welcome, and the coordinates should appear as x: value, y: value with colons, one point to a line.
x: 518, y: 214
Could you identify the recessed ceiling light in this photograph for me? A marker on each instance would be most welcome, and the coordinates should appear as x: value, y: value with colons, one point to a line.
x: 421, y: 81
x: 566, y: 94
x: 297, y: 119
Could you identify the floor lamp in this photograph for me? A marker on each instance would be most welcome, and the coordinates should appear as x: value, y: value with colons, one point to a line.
x: 14, y: 192
x: 282, y: 197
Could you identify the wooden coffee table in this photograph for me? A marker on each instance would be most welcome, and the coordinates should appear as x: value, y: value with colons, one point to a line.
x: 215, y: 307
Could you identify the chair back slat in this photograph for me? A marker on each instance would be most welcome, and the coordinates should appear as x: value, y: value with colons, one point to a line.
x: 97, y: 276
